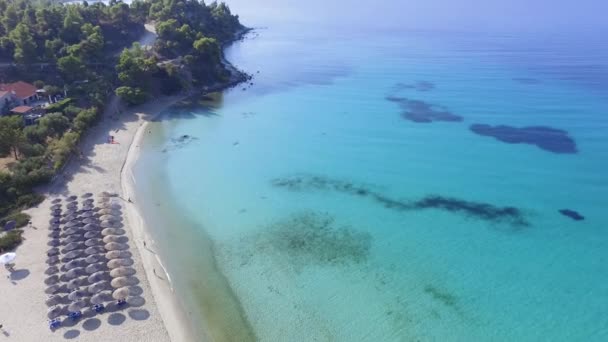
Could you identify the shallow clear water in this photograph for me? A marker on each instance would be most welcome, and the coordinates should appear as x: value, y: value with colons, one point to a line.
x: 308, y: 192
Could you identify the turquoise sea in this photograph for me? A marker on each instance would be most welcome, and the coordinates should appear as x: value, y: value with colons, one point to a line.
x: 314, y: 205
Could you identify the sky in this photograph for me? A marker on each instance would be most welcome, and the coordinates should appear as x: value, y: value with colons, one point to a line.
x: 496, y: 15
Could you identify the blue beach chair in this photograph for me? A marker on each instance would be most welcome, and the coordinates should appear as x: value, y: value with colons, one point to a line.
x: 54, y: 324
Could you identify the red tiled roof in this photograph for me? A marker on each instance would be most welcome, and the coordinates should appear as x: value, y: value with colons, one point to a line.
x: 21, y: 109
x: 22, y: 89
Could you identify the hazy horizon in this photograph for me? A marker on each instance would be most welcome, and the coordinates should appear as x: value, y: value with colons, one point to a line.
x: 495, y: 15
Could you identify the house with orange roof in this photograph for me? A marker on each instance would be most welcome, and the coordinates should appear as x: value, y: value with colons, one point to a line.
x: 22, y: 93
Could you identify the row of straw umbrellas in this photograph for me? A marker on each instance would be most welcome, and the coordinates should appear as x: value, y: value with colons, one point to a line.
x: 88, y: 260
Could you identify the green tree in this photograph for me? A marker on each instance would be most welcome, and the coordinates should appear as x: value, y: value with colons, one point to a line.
x: 54, y: 124
x: 11, y: 134
x: 131, y: 95
x: 207, y: 48
x: 71, y: 67
x: 25, y: 47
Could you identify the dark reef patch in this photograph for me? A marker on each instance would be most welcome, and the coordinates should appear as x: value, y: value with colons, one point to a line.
x: 477, y: 210
x: 527, y: 80
x: 546, y: 138
x: 418, y: 86
x: 483, y: 211
x: 444, y: 297
x: 572, y: 214
x: 423, y: 112
x: 179, y: 142
x: 313, y: 238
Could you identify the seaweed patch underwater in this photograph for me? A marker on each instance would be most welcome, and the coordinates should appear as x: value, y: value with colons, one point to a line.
x: 478, y: 210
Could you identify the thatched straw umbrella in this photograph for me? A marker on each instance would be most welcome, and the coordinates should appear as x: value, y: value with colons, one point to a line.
x: 87, y: 214
x: 91, y: 221
x: 72, y: 239
x: 54, y: 242
x: 55, y: 234
x: 101, y: 297
x: 71, y: 215
x: 53, y: 300
x: 78, y: 295
x: 77, y: 306
x: 52, y: 289
x: 110, y: 224
x: 110, y: 212
x: 95, y: 250
x: 54, y: 312
x: 73, y: 264
x: 56, y: 200
x: 92, y: 235
x: 118, y: 254
x: 52, y: 251
x: 77, y: 282
x: 122, y: 272
x: 93, y: 242
x: 99, y: 286
x: 53, y: 260
x: 98, y: 276
x: 89, y: 201
x: 121, y: 293
x: 116, y: 263
x: 73, y: 223
x: 72, y: 205
x: 93, y: 258
x: 51, y: 270
x: 74, y: 273
x: 105, y: 194
x: 72, y: 198
x: 115, y: 238
x: 72, y: 255
x: 92, y: 227
x: 52, y: 280
x: 112, y: 231
x: 87, y: 195
x: 109, y: 218
x: 54, y: 221
x: 100, y: 266
x: 55, y: 206
x: 71, y: 231
x: 115, y: 246
x: 72, y: 246
x: 135, y: 301
x: 88, y: 207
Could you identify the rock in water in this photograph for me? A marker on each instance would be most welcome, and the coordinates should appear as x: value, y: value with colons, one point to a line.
x: 572, y: 214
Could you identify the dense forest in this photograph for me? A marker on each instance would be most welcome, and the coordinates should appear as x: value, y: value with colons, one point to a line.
x: 85, y: 52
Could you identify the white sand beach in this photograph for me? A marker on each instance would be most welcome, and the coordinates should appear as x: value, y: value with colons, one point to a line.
x: 102, y: 167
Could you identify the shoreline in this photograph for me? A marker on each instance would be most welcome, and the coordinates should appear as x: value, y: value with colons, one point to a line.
x: 173, y: 315
x: 177, y: 324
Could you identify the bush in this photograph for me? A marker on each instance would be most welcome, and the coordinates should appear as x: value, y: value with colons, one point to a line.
x: 29, y: 200
x: 21, y: 219
x: 10, y: 240
x: 59, y: 106
x: 62, y: 148
x: 85, y: 119
x: 132, y: 95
